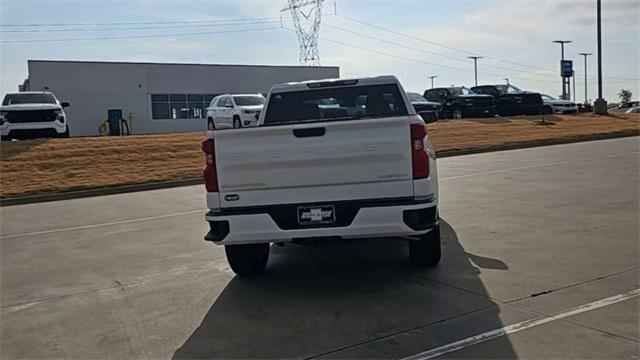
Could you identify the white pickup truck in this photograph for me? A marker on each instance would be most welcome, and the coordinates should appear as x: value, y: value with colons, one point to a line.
x: 329, y: 159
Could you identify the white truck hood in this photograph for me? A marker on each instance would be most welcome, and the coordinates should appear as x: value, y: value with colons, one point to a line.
x: 251, y: 107
x: 26, y: 107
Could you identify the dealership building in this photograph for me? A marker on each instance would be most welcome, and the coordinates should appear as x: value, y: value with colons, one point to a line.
x: 154, y: 97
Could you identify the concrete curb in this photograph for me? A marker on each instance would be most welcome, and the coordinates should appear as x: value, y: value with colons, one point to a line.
x: 110, y: 190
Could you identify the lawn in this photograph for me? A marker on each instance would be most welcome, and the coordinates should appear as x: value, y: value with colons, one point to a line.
x: 55, y: 165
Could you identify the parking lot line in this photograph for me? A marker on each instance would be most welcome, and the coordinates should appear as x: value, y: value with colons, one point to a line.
x: 82, y: 227
x: 513, y: 328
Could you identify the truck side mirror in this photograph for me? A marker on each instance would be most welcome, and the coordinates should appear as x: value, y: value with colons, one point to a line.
x: 65, y: 104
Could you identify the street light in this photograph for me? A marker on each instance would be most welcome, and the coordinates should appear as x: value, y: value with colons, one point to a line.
x: 565, y: 83
x: 475, y: 66
x: 585, y: 77
x: 432, y: 77
x: 600, y: 105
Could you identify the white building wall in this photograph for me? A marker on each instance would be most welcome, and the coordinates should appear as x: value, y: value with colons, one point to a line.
x: 94, y: 87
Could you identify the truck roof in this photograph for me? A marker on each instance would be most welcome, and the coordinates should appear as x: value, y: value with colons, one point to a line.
x: 306, y: 85
x: 29, y: 92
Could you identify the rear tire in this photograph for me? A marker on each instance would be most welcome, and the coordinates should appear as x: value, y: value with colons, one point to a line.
x: 236, y: 122
x: 426, y: 251
x: 456, y: 113
x: 247, y: 260
x: 547, y: 110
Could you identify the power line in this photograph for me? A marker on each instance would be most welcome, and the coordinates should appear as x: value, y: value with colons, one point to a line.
x: 141, y: 28
x: 139, y: 36
x: 136, y: 23
x: 461, y: 50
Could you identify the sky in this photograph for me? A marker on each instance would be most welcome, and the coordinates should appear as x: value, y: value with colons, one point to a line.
x: 409, y: 39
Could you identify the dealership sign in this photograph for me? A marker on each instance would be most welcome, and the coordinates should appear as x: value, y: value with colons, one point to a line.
x: 566, y: 68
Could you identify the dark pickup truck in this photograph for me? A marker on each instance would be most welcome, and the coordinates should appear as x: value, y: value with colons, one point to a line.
x: 461, y: 102
x: 512, y: 101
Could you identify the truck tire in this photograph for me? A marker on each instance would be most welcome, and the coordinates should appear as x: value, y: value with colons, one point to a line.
x: 247, y: 260
x: 456, y: 113
x: 547, y: 110
x: 65, y: 134
x: 425, y: 252
x: 237, y: 123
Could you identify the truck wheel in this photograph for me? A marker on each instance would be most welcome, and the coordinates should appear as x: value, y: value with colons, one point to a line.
x: 547, y: 110
x: 425, y: 252
x: 236, y: 122
x: 5, y: 138
x: 456, y: 113
x: 247, y: 260
x: 65, y: 134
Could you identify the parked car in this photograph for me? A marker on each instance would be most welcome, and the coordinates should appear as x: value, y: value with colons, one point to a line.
x: 633, y: 110
x: 512, y: 101
x: 304, y: 175
x: 630, y: 104
x: 461, y: 102
x: 234, y: 111
x: 32, y: 114
x: 552, y: 105
x: 427, y: 109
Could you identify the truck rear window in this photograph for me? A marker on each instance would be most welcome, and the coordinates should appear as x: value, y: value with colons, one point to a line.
x: 336, y: 103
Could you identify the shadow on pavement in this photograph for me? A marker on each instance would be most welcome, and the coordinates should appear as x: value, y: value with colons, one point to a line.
x: 316, y: 300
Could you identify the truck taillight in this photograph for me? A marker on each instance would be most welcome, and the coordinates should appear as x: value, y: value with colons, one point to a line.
x: 419, y: 157
x: 210, y: 175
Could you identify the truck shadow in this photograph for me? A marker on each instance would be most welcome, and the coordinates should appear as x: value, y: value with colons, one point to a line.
x: 320, y: 300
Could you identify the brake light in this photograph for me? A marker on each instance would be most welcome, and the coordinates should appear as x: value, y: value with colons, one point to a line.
x: 419, y: 157
x: 210, y: 175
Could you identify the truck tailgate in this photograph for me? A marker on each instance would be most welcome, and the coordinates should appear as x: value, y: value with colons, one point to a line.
x: 314, y: 162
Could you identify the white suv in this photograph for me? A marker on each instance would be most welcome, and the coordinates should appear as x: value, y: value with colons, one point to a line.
x: 234, y: 111
x: 32, y: 114
x: 329, y: 159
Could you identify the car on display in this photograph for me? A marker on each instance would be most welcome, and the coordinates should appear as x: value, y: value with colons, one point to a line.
x: 630, y: 104
x: 363, y: 169
x: 460, y: 102
x: 427, y: 109
x: 32, y: 114
x: 512, y: 101
x: 234, y: 111
x: 552, y: 105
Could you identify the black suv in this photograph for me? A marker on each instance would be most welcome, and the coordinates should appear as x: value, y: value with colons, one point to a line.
x: 512, y: 101
x: 459, y: 102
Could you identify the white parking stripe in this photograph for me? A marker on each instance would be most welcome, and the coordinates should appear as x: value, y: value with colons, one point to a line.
x: 103, y: 224
x: 510, y: 329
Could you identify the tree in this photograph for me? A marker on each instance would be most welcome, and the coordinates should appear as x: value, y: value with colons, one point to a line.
x: 625, y: 96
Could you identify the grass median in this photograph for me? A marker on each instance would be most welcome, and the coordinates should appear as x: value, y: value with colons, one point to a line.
x: 58, y: 165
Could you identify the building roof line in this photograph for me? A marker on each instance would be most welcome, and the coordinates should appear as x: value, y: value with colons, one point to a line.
x: 161, y: 63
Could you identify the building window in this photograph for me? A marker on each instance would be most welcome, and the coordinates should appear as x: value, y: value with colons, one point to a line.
x: 179, y: 106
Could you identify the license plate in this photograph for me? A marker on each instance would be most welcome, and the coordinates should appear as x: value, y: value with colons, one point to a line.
x: 312, y: 215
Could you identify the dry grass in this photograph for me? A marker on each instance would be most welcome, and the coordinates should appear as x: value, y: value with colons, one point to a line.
x: 53, y: 165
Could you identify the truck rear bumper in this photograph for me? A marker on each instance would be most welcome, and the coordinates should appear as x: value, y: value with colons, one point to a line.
x: 409, y: 219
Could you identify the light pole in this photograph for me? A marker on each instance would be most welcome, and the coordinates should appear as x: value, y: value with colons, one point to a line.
x: 564, y: 79
x: 432, y: 77
x: 475, y: 66
x: 507, y: 81
x: 600, y: 105
x: 585, y: 77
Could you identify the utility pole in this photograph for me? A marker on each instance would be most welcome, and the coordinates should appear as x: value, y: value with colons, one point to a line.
x: 307, y: 15
x: 573, y: 77
x: 475, y: 66
x: 600, y: 105
x: 586, y: 98
x: 507, y: 81
x: 432, y: 77
x: 565, y: 81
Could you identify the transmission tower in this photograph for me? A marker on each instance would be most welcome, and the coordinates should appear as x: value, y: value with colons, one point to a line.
x: 306, y: 15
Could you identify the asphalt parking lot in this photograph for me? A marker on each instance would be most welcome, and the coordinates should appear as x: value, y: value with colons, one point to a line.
x: 528, y: 234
